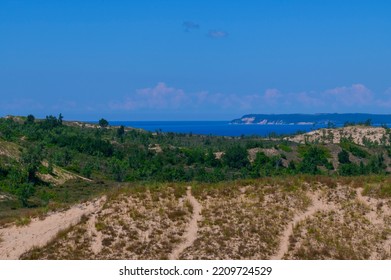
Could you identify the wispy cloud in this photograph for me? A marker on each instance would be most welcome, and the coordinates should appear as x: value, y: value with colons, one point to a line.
x: 271, y: 96
x: 356, y: 94
x: 159, y: 97
x: 386, y: 101
x: 190, y: 25
x: 212, y: 33
x: 164, y: 98
x: 217, y: 34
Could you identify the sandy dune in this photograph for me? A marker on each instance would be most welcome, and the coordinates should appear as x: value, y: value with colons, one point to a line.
x: 17, y: 240
x: 267, y: 221
x: 357, y: 134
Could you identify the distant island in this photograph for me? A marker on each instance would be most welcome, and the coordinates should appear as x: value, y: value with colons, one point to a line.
x: 312, y: 119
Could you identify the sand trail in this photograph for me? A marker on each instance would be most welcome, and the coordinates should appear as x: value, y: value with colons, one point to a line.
x: 18, y: 240
x: 95, y: 235
x: 191, y: 233
x: 376, y: 218
x: 317, y: 205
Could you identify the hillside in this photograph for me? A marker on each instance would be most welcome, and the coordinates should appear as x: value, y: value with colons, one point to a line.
x: 301, y: 218
x: 70, y: 190
x: 360, y: 135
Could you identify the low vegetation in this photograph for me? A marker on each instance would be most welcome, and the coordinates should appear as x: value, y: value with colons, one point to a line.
x: 239, y: 220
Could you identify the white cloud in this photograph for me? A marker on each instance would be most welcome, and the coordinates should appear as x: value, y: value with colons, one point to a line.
x: 271, y: 96
x: 356, y: 94
x: 159, y: 97
x: 163, y: 97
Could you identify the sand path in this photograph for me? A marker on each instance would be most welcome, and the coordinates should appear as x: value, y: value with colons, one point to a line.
x: 371, y: 203
x: 17, y: 240
x: 95, y: 235
x: 376, y: 218
x: 317, y: 205
x: 191, y: 233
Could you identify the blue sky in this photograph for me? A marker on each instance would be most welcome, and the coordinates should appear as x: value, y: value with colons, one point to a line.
x: 193, y: 60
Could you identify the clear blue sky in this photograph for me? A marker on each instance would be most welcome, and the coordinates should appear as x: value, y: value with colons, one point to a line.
x: 193, y: 60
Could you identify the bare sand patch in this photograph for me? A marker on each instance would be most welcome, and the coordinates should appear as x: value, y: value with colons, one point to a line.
x: 357, y: 134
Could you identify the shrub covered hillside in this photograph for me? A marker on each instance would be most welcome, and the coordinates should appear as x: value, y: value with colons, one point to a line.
x: 51, y: 162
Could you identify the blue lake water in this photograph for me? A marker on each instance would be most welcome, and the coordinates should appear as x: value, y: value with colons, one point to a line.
x: 220, y: 128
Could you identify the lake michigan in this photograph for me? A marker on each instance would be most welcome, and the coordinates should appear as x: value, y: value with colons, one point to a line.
x: 219, y: 128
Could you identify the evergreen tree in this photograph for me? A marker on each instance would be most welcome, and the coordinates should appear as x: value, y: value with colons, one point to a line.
x: 103, y: 123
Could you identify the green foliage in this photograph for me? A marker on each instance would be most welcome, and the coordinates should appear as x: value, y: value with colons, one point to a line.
x: 350, y: 169
x: 24, y: 192
x: 118, y: 168
x: 236, y: 157
x: 87, y: 170
x: 376, y: 164
x: 266, y: 166
x: 313, y: 156
x: 51, y: 122
x: 353, y: 148
x: 343, y: 157
x: 285, y: 148
x: 120, y: 131
x: 31, y: 159
x: 103, y: 123
x: 30, y: 119
x: 23, y: 221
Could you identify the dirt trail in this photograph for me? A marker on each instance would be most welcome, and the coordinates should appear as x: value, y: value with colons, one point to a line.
x: 371, y: 203
x: 96, y: 236
x: 74, y: 174
x: 59, y: 175
x: 18, y: 240
x: 191, y: 233
x: 317, y: 205
x: 376, y: 218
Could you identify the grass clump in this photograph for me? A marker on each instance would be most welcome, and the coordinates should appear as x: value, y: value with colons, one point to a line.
x: 23, y: 221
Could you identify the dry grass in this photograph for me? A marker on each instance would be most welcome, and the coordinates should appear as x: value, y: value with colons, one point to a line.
x: 243, y: 222
x: 133, y: 224
x: 9, y: 149
x: 23, y: 221
x: 349, y: 232
x: 239, y: 220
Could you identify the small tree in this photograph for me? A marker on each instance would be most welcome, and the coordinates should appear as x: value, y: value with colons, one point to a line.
x: 60, y: 117
x: 103, y: 123
x: 343, y: 157
x: 120, y: 131
x: 30, y: 119
x: 118, y: 168
x: 368, y: 122
x: 24, y: 192
x: 31, y: 159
